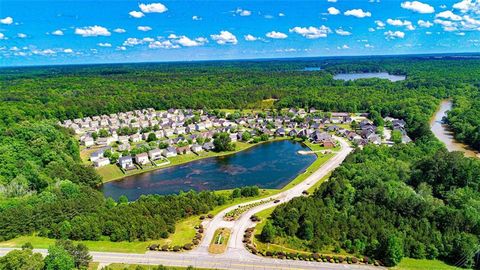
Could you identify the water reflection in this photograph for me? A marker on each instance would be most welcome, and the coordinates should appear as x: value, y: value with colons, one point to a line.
x: 379, y: 75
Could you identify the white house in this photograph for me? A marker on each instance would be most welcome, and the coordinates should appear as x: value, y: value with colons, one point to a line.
x: 88, y: 141
x: 125, y: 162
x: 101, y: 162
x: 169, y: 152
x: 196, y: 148
x: 155, y: 154
x: 141, y: 158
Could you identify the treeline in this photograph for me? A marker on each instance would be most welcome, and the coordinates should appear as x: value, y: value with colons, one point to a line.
x: 464, y: 120
x: 415, y: 200
x: 69, y: 211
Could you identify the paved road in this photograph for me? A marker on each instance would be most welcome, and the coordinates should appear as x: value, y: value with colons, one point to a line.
x: 236, y: 257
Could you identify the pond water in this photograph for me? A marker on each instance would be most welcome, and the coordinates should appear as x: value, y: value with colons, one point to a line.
x: 268, y: 165
x: 312, y: 69
x: 379, y: 75
x: 442, y: 132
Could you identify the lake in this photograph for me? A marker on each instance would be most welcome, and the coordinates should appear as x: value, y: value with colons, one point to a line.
x: 267, y: 165
x: 312, y: 69
x: 442, y: 132
x: 378, y: 75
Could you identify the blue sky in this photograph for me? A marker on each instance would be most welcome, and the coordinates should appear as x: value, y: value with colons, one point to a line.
x: 73, y: 32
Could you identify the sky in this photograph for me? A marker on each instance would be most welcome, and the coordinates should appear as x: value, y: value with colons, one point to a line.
x: 91, y: 31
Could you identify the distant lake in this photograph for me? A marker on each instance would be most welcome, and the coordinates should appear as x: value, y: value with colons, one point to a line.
x: 268, y: 165
x: 379, y: 75
x: 312, y: 69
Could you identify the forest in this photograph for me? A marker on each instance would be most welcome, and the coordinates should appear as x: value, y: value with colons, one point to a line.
x: 464, y: 119
x: 406, y: 192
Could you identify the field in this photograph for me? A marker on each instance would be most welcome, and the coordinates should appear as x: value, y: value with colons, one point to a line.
x: 122, y: 266
x: 414, y: 264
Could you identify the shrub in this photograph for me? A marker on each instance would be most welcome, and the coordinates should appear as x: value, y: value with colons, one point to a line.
x: 354, y: 260
x: 200, y: 230
x: 176, y: 248
x: 153, y: 247
x: 195, y: 242
x: 210, y: 215
x: 165, y: 248
x: 187, y: 246
x: 269, y: 253
x: 202, y: 217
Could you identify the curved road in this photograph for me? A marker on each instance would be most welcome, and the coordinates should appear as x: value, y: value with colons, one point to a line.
x: 236, y: 256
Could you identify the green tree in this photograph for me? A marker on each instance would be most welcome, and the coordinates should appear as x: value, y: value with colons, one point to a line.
x: 268, y: 232
x: 22, y: 260
x: 79, y: 253
x: 393, y: 251
x: 246, y: 136
x: 123, y: 199
x: 58, y: 259
x: 151, y: 137
x: 396, y: 136
x: 222, y: 142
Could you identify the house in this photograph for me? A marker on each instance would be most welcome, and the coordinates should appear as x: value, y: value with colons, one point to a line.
x: 208, y: 146
x: 126, y: 163
x: 406, y: 139
x: 280, y: 132
x: 155, y: 154
x: 135, y: 138
x: 141, y: 158
x: 169, y: 152
x: 88, y: 141
x: 101, y: 162
x: 99, y: 153
x: 196, y: 148
x: 123, y: 139
x: 328, y: 143
x: 292, y: 133
x: 168, y: 132
x: 124, y: 147
x: 233, y: 137
x: 182, y: 150
x: 180, y: 130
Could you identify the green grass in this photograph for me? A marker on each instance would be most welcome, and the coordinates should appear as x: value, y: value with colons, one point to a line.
x: 415, y: 264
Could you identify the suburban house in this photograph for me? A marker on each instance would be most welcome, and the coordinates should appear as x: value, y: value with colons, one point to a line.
x: 126, y: 162
x: 196, y: 148
x: 99, y: 153
x: 182, y: 150
x: 141, y: 158
x: 155, y: 154
x: 88, y: 141
x: 169, y: 152
x: 101, y: 162
x: 208, y: 146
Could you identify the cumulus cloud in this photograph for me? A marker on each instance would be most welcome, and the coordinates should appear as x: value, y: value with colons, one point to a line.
x: 344, y: 47
x: 276, y: 35
x: 92, y: 31
x: 166, y: 44
x: 394, y: 34
x: 104, y: 44
x: 136, y: 14
x: 333, y: 11
x: 6, y: 20
x: 467, y: 6
x: 132, y: 42
x: 21, y: 35
x: 449, y: 16
x: 380, y: 24
x: 448, y: 26
x: 121, y: 48
x: 2, y: 36
x: 417, y: 6
x: 119, y: 30
x: 281, y: 14
x: 424, y: 24
x: 68, y: 51
x: 312, y: 32
x: 225, y: 37
x: 187, y: 42
x: 57, y: 33
x: 407, y: 24
x: 359, y: 13
x: 144, y: 28
x: 342, y: 32
x: 369, y: 46
x: 332, y: 1
x: 196, y: 18
x: 250, y: 37
x: 153, y: 8
x: 243, y: 12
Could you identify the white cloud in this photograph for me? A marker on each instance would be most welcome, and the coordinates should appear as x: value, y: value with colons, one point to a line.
x: 92, y: 31
x: 468, y: 5
x: 187, y: 42
x: 380, y: 24
x: 153, y: 8
x: 312, y: 32
x: 21, y: 35
x: 144, y: 28
x: 394, y: 34
x: 398, y: 22
x: 6, y: 20
x: 276, y: 35
x: 2, y: 36
x: 119, y: 30
x: 45, y: 52
x: 281, y: 14
x: 448, y: 26
x: 136, y: 14
x: 243, y: 12
x: 359, y: 13
x: 132, y: 42
x: 342, y: 32
x: 371, y: 29
x: 418, y: 7
x: 57, y: 33
x: 332, y: 1
x: 369, y: 46
x: 424, y: 24
x: 333, y: 11
x: 166, y: 44
x: 344, y: 47
x: 196, y: 18
x: 68, y: 51
x: 250, y: 37
x: 14, y: 49
x: 121, y: 48
x: 224, y: 37
x: 449, y: 16
x: 104, y: 44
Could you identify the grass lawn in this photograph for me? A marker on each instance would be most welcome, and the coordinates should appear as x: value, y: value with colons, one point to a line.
x: 415, y: 264
x: 122, y: 266
x: 219, y: 241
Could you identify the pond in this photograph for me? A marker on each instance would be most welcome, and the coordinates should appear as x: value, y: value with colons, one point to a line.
x: 441, y: 131
x: 312, y: 69
x: 268, y: 165
x: 379, y: 75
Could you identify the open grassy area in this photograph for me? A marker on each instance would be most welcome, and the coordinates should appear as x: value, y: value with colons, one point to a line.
x: 219, y: 241
x: 415, y: 264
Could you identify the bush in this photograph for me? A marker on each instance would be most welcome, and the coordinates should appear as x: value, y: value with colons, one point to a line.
x: 354, y: 260
x: 210, y: 215
x: 176, y: 248
x: 187, y: 246
x: 269, y: 253
x: 153, y: 247
x: 195, y: 242
x: 200, y: 230
x: 165, y: 248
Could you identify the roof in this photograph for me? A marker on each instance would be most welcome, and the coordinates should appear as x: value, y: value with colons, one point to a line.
x: 125, y: 159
